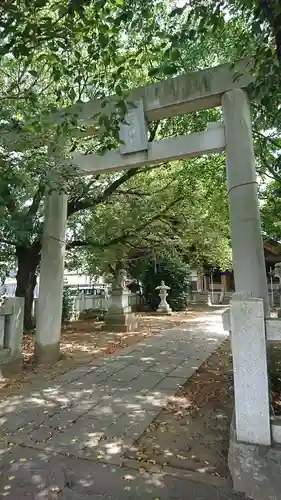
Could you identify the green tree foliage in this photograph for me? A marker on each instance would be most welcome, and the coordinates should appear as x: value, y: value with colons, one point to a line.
x: 176, y: 274
x: 271, y: 210
x: 235, y: 30
x: 67, y: 304
x: 255, y: 25
x: 179, y: 208
x: 55, y: 54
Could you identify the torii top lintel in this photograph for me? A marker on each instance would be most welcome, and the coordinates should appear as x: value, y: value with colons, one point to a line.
x: 174, y: 96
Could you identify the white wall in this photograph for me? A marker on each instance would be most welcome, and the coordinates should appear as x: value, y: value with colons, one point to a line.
x: 71, y: 278
x: 95, y: 302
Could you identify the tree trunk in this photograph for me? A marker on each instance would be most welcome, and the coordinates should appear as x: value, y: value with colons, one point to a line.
x: 28, y: 261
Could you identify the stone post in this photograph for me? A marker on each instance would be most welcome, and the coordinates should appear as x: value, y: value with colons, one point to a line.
x: 119, y: 317
x: 224, y: 282
x: 251, y: 388
x: 247, y: 245
x: 200, y: 285
x: 206, y: 279
x: 14, y: 325
x: 49, y: 310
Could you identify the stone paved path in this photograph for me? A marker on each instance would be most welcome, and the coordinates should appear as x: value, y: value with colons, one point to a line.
x: 96, y: 412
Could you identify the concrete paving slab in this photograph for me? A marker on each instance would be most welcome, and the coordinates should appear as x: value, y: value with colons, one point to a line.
x: 100, y: 410
x: 28, y: 473
x: 146, y: 381
x: 170, y: 383
x: 159, y: 368
x: 79, y: 372
x: 185, y: 370
x: 131, y: 425
x: 84, y: 433
x: 51, y: 425
x: 105, y: 412
x: 157, y: 398
x: 11, y: 423
x: 125, y: 401
x: 129, y: 373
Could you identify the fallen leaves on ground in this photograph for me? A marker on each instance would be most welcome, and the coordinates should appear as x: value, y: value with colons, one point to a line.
x: 84, y: 340
x: 192, y: 431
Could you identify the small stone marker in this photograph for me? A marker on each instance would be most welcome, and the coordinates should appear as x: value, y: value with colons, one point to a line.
x: 248, y: 342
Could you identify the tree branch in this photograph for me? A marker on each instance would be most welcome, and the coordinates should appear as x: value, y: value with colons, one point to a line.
x: 10, y: 201
x: 132, y: 192
x: 78, y: 203
x: 267, y: 138
x: 143, y: 193
x: 36, y: 200
x: 118, y: 182
x: 153, y: 131
x: 126, y: 235
x: 271, y: 12
x: 276, y: 176
x: 92, y: 202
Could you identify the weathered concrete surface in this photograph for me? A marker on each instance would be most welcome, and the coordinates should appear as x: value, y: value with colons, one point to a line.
x: 49, y: 309
x: 38, y: 475
x: 100, y: 409
x: 174, y: 96
x: 248, y: 345
x: 14, y: 325
x: 247, y: 245
x: 11, y: 332
x: 47, y: 353
x: 119, y: 317
x: 187, y: 146
x: 97, y: 411
x: 8, y: 364
x: 255, y: 470
x: 171, y: 97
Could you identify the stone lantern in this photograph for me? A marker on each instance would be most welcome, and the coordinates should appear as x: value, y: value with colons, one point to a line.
x: 163, y: 307
x: 277, y: 274
x: 277, y: 271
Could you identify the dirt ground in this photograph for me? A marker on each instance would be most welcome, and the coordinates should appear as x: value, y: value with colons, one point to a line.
x: 81, y: 342
x: 192, y: 432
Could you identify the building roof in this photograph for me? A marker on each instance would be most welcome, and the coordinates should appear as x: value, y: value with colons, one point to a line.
x: 272, y: 251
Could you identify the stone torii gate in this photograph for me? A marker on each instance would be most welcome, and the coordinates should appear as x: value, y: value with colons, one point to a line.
x: 218, y: 86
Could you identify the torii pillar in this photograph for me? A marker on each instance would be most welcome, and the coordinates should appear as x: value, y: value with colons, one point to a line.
x: 245, y: 224
x: 49, y: 310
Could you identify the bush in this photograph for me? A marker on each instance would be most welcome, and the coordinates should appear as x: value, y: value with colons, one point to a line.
x: 93, y: 314
x: 176, y: 275
x: 67, y: 304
